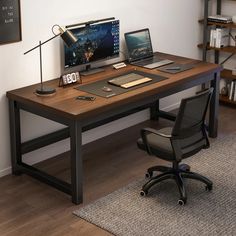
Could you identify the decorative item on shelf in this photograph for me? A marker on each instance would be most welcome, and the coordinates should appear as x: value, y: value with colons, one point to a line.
x: 234, y: 71
x: 69, y: 39
x: 223, y: 87
x: 224, y: 91
x: 69, y: 79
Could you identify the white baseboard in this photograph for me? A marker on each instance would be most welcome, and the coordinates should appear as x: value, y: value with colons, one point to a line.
x: 88, y: 136
x: 4, y: 172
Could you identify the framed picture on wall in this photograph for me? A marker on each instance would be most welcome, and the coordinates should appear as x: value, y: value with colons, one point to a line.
x: 10, y: 21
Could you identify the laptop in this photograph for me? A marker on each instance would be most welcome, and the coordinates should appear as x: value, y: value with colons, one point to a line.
x: 140, y: 53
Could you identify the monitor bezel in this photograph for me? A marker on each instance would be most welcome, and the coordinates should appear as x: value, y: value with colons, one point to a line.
x: 128, y: 51
x: 90, y: 64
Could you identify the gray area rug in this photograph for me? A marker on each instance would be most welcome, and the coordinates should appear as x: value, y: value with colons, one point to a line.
x: 125, y: 212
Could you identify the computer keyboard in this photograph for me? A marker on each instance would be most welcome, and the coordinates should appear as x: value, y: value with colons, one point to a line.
x: 136, y: 82
x: 125, y: 79
x: 130, y: 80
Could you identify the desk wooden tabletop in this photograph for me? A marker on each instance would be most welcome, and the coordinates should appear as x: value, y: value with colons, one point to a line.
x: 64, y: 102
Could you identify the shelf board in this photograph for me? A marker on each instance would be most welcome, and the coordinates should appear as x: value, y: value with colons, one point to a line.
x: 225, y: 99
x: 229, y: 49
x: 227, y: 25
x: 227, y: 74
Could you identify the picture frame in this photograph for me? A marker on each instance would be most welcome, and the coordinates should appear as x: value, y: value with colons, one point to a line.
x: 10, y: 21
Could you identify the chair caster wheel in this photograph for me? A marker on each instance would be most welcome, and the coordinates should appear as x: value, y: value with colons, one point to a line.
x: 208, y: 187
x: 184, y: 167
x: 148, y: 175
x: 181, y: 202
x: 188, y: 169
x: 143, y: 193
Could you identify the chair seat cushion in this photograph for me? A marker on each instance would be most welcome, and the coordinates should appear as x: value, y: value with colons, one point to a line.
x: 162, y: 148
x: 159, y: 146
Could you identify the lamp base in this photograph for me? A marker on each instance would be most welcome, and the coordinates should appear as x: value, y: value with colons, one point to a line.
x: 45, y: 91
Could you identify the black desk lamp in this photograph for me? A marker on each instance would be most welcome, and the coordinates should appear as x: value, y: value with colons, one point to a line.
x: 69, y: 39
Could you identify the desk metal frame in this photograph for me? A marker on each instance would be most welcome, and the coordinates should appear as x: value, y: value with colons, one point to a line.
x: 75, y: 128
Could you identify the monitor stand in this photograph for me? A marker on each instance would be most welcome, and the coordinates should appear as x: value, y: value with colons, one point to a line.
x: 91, y: 71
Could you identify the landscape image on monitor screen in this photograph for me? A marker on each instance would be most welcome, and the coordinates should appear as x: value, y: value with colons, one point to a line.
x: 95, y: 42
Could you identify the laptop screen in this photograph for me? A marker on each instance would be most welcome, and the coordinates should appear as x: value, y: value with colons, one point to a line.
x: 138, y: 44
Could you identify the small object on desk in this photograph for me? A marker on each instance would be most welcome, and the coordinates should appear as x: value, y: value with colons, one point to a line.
x: 173, y: 68
x: 119, y: 65
x: 106, y: 89
x: 176, y: 68
x: 110, y: 95
x: 86, y: 98
x: 70, y: 78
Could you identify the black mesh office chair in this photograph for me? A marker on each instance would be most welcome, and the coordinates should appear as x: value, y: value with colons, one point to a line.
x: 187, y: 137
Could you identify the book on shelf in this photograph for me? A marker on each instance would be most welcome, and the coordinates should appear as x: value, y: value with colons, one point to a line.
x: 212, y: 38
x: 219, y: 37
x: 234, y: 98
x: 223, y: 87
x: 220, y: 18
x: 232, y: 92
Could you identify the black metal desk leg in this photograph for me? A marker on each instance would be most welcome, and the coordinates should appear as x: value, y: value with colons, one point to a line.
x: 15, y: 136
x: 154, y: 110
x: 76, y: 163
x: 214, y: 107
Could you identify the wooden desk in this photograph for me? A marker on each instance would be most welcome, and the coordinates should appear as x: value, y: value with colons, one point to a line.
x: 79, y: 116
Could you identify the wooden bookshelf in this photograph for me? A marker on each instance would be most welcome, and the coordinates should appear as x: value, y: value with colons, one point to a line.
x: 227, y: 74
x: 229, y: 49
x: 225, y: 100
x: 207, y: 26
x: 227, y: 25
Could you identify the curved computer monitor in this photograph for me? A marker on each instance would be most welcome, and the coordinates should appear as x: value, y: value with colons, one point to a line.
x: 95, y: 42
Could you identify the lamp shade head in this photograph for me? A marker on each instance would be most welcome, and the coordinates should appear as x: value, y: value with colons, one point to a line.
x: 68, y: 38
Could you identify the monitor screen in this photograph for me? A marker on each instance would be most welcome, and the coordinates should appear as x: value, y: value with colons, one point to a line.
x: 138, y: 44
x: 95, y: 42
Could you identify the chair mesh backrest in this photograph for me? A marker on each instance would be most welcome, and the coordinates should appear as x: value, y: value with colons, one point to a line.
x: 191, y: 115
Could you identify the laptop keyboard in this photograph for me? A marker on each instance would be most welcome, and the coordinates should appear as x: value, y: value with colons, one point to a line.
x: 152, y: 63
x: 147, y: 61
x: 158, y: 64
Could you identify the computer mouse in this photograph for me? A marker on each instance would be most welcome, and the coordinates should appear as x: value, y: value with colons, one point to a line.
x: 106, y: 89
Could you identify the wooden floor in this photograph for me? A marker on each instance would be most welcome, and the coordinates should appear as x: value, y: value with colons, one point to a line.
x: 28, y: 207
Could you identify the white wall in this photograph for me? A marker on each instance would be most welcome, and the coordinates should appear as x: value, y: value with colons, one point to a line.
x: 174, y: 29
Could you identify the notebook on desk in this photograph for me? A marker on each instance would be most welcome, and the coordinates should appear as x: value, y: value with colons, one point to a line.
x: 140, y: 53
x: 176, y: 68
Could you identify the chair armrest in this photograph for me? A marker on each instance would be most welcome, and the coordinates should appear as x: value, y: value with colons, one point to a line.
x: 144, y: 133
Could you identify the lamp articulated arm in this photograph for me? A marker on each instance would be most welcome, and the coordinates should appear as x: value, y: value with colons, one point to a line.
x: 41, y: 43
x: 69, y: 39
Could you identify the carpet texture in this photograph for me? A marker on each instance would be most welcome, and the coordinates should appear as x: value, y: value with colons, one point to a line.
x: 125, y: 212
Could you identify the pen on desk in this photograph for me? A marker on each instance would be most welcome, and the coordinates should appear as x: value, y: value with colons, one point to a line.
x: 173, y: 68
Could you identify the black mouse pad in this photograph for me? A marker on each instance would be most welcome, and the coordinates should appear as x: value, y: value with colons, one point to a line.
x: 175, y: 68
x: 96, y: 88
